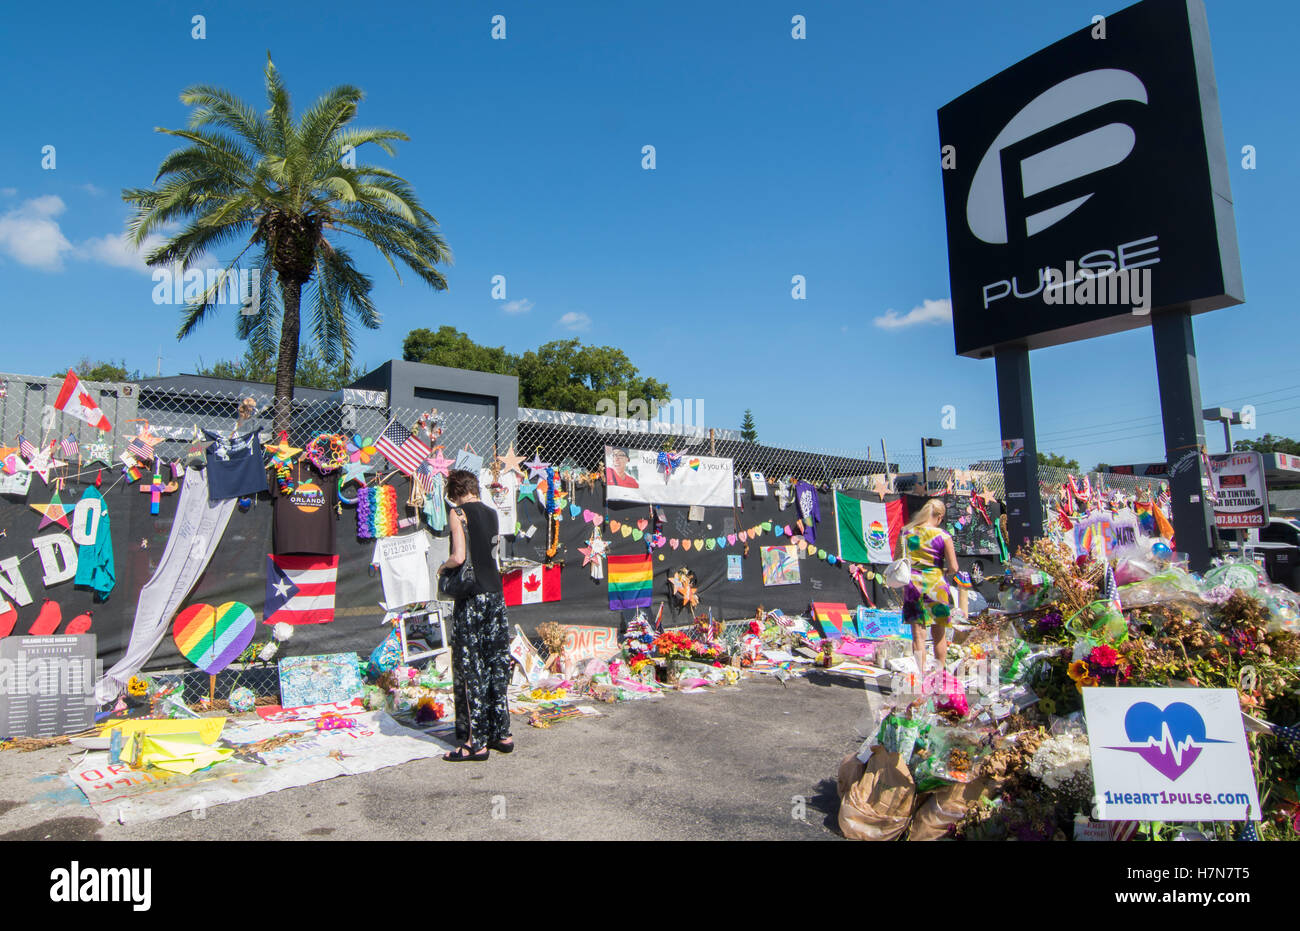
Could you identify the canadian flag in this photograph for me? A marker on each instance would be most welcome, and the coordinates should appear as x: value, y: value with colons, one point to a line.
x: 75, y: 401
x: 531, y: 586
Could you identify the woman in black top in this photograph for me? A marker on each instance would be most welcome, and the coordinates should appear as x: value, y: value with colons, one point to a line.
x: 480, y: 632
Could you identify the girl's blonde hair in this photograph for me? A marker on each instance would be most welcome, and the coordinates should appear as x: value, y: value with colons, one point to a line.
x: 932, y: 508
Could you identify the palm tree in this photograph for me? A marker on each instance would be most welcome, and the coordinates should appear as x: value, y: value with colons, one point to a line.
x: 289, y: 191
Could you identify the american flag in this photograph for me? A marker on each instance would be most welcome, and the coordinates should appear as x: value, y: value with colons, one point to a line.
x: 424, y: 477
x: 26, y: 448
x: 402, y: 448
x: 140, y: 449
x: 70, y: 447
x: 300, y: 589
x: 1112, y: 590
x: 1163, y: 500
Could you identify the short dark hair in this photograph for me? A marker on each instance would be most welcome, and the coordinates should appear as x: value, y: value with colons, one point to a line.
x: 461, y: 483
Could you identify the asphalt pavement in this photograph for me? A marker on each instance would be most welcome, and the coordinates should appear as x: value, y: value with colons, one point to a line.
x: 755, y: 761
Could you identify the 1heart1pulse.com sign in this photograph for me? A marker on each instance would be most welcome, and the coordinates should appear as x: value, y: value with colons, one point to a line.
x: 1169, y: 755
x: 1087, y: 185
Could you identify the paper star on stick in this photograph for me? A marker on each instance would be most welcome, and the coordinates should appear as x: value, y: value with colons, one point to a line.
x: 512, y: 462
x: 43, y: 463
x: 52, y: 513
x: 438, y: 463
x: 100, y: 452
x: 536, y: 467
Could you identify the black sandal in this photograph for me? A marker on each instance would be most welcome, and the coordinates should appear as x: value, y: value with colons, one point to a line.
x: 463, y: 754
x: 501, y: 746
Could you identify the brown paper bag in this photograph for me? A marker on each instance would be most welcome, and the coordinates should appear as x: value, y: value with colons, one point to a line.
x: 942, y: 808
x: 879, y: 804
x: 851, y: 769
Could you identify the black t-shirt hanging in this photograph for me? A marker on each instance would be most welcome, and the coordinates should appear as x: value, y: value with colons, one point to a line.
x: 304, y: 517
x: 235, y: 468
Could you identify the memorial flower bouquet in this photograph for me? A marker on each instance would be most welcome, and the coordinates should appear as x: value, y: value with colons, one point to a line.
x: 673, y: 644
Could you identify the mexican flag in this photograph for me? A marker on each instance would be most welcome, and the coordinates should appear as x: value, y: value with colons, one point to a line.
x: 531, y: 586
x: 867, y: 530
x: 75, y: 401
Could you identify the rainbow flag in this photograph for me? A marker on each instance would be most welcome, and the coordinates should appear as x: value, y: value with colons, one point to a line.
x: 631, y: 581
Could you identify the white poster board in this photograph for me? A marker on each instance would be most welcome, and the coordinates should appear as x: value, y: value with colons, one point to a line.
x: 1169, y: 755
x: 635, y: 475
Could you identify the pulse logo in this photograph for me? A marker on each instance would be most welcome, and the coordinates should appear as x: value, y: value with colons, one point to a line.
x: 1170, y: 740
x: 1057, y: 164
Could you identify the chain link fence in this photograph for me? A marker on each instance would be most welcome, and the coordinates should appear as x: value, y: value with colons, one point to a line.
x: 178, y: 415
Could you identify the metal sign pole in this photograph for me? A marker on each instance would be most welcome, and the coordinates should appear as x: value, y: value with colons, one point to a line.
x: 1024, y: 505
x: 1180, y: 409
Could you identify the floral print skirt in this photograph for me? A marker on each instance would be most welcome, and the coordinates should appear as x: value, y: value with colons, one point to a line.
x: 480, y: 669
x: 926, y: 599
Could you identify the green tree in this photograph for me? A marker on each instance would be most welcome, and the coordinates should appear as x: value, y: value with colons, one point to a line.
x: 748, y: 432
x: 1268, y: 443
x: 1053, y: 461
x: 454, y: 349
x: 1101, y: 467
x: 565, y: 375
x: 562, y: 375
x: 288, y: 191
x: 100, y: 370
x: 314, y: 371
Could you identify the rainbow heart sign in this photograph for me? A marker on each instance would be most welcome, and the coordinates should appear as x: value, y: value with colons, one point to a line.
x: 1169, y: 755
x: 211, y: 638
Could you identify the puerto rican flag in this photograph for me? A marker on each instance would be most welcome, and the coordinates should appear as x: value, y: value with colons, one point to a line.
x: 300, y: 589
x: 531, y: 586
x: 75, y: 401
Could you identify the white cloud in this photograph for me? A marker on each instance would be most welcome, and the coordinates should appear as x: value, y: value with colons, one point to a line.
x: 30, y: 234
x: 517, y: 307
x: 8, y: 191
x: 926, y: 312
x: 575, y: 321
x: 116, y: 249
x: 91, y: 189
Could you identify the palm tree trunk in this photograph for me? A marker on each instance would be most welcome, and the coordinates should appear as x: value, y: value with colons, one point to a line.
x: 287, y: 365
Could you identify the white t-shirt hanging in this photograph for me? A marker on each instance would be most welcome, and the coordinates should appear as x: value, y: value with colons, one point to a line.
x: 502, y: 500
x: 404, y: 569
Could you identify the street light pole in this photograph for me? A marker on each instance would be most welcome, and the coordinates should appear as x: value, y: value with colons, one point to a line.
x: 925, y: 465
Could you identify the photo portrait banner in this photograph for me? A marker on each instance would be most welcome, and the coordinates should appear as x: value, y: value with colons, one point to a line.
x: 647, y: 477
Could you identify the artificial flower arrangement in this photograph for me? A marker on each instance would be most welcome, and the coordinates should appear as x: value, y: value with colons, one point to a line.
x: 673, y: 644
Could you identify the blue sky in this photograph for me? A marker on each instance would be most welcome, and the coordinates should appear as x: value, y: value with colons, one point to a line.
x: 775, y: 158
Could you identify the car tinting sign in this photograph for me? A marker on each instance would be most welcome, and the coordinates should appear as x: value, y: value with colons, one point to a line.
x: 1098, y: 158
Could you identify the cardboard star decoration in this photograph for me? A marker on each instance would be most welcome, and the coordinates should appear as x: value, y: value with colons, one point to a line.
x: 536, y: 466
x: 512, y: 462
x: 53, y: 513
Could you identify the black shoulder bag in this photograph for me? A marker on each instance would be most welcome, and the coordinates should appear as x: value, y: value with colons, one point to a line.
x: 460, y: 582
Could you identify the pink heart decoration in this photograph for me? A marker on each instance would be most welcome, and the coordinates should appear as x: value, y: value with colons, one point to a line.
x: 743, y: 536
x: 673, y: 543
x: 731, y: 538
x: 642, y: 524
